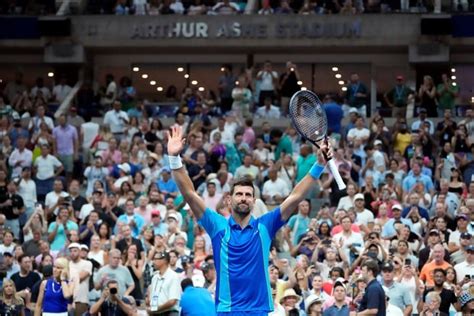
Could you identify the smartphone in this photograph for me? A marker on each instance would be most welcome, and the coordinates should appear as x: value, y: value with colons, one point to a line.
x: 408, y: 262
x: 467, y: 276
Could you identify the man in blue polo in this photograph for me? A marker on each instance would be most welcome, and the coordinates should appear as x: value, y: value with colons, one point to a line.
x: 373, y: 301
x: 241, y: 244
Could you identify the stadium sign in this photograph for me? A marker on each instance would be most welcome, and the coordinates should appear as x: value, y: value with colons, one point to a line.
x: 244, y: 30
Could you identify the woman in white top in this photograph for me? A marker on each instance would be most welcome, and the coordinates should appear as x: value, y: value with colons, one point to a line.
x: 7, y: 245
x: 348, y: 201
x: 96, y: 252
x: 409, y: 278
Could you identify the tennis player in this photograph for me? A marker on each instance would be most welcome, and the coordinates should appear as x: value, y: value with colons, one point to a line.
x: 241, y: 244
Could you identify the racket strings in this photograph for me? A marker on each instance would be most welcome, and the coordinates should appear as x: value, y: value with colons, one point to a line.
x: 308, y: 116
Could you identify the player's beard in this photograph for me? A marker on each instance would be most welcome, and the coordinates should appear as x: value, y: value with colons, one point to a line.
x: 241, y: 209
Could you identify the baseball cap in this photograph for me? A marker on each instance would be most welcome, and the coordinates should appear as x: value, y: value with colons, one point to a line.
x: 353, y: 110
x: 378, y: 142
x: 155, y: 213
x: 466, y: 236
x: 359, y: 196
x: 84, y: 247
x: 205, y: 267
x: 7, y: 254
x: 397, y: 207
x: 461, y: 216
x: 165, y: 169
x: 470, y: 248
x: 434, y: 232
x: 422, y: 110
x: 400, y: 77
x: 74, y: 245
x: 340, y: 282
x: 387, y: 267
x: 162, y: 255
x: 310, y: 300
x: 125, y: 167
x: 173, y: 215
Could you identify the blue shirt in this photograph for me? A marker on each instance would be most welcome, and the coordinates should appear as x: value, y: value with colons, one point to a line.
x: 168, y: 186
x: 411, y: 180
x: 388, y: 229
x: 334, y: 114
x: 241, y: 260
x: 374, y: 297
x: 137, y: 228
x: 336, y: 311
x: 53, y: 300
x: 197, y: 302
x: 422, y: 211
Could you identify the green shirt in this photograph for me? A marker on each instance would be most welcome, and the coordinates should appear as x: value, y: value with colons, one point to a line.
x: 447, y: 97
x: 284, y: 146
x: 303, y: 165
x: 399, y: 95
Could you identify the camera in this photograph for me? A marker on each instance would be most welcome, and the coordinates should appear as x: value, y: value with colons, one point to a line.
x: 113, y: 291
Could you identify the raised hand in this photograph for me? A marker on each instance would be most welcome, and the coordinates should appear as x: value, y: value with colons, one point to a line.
x: 175, y: 141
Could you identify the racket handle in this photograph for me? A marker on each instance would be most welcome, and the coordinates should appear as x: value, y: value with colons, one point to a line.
x: 335, y: 173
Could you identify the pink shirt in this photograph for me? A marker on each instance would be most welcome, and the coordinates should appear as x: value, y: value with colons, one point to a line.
x: 249, y: 136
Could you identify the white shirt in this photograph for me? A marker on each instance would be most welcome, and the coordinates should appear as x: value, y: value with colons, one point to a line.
x: 44, y: 90
x: 393, y: 310
x: 272, y: 113
x: 46, y: 166
x: 89, y: 131
x: 358, y: 133
x: 25, y: 156
x: 111, y: 89
x: 52, y: 198
x: 277, y: 187
x: 86, y: 209
x: 165, y: 288
x: 116, y: 121
x: 365, y: 217
x: 243, y: 171
x: 345, y: 203
x: 61, y: 92
x: 379, y: 160
x: 27, y: 190
x: 266, y: 81
x: 418, y: 123
x: 81, y: 289
x: 353, y: 238
x: 36, y: 121
x: 462, y: 269
x: 454, y: 237
x: 177, y: 7
x: 226, y: 136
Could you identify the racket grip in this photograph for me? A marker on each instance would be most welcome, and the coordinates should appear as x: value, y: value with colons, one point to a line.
x: 335, y: 173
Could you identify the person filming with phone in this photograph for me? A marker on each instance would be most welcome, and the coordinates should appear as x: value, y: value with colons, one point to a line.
x: 111, y: 303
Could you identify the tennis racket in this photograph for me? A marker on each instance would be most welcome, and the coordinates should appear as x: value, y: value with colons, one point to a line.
x: 309, y: 118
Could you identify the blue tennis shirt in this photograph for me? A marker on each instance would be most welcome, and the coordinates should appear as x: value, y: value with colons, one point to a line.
x: 241, y: 258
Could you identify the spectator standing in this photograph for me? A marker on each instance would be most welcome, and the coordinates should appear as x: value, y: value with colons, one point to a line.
x: 66, y: 145
x: 80, y: 271
x: 269, y: 81
x: 164, y: 291
x: 61, y: 91
x: 20, y: 158
x: 12, y: 207
x: 25, y: 279
x: 447, y: 93
x: 427, y: 95
x: 288, y: 85
x: 117, y: 120
x: 59, y: 229
x: 46, y: 168
x: 427, y: 272
x: 373, y: 301
x: 334, y: 114
x: 226, y: 85
x: 115, y: 271
x: 110, y: 94
x: 40, y: 117
x: 397, y: 98
x: 357, y: 95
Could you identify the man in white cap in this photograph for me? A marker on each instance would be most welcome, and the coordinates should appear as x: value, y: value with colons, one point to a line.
x: 80, y: 271
x: 124, y: 172
x: 364, y: 216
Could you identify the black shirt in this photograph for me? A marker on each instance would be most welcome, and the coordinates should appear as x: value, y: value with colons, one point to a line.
x: 78, y: 202
x: 374, y: 297
x: 122, y: 245
x: 17, y: 202
x: 194, y: 170
x: 22, y: 283
x: 447, y: 298
x: 108, y: 308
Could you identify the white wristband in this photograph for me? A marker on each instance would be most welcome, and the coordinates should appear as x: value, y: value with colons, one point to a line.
x: 175, y: 162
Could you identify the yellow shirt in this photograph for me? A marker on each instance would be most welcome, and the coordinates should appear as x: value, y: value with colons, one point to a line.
x: 402, y: 141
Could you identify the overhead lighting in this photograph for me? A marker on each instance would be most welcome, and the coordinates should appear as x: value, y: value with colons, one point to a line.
x: 153, y: 82
x: 453, y: 69
x: 201, y: 89
x: 455, y: 84
x: 194, y: 82
x: 159, y: 89
x: 472, y: 99
x: 237, y: 82
x: 304, y: 88
x: 300, y: 83
x: 50, y: 74
x: 180, y: 69
x: 186, y: 76
x: 222, y: 69
x: 335, y: 69
x: 453, y: 77
x: 344, y: 88
x: 144, y: 76
x: 136, y: 69
x: 341, y: 82
x: 338, y: 76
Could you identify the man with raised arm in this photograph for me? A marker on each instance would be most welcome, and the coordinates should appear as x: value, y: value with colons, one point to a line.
x: 241, y: 244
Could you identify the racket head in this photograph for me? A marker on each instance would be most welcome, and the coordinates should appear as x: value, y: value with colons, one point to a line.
x: 308, y: 116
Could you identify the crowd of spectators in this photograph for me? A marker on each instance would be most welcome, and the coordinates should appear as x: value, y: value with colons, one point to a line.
x: 227, y: 7
x: 91, y: 220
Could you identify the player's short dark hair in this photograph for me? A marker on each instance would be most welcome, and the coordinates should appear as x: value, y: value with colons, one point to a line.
x: 243, y: 182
